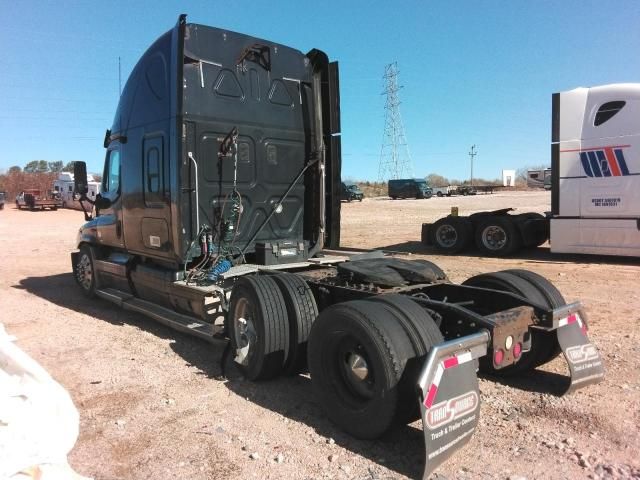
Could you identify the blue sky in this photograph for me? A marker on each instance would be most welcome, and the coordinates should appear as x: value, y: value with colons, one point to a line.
x: 473, y: 72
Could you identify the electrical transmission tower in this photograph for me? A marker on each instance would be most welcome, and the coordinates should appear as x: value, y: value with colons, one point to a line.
x: 395, y: 159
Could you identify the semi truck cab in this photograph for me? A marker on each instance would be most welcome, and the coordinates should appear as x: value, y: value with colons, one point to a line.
x: 595, y: 183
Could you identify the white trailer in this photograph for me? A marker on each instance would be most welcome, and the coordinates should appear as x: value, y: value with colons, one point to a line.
x: 64, y: 186
x: 595, y: 184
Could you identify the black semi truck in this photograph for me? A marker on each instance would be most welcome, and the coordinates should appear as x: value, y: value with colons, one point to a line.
x: 220, y: 217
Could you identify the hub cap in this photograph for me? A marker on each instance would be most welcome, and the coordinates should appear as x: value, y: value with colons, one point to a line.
x: 355, y: 369
x: 494, y: 237
x: 446, y: 236
x: 244, y: 330
x: 359, y: 366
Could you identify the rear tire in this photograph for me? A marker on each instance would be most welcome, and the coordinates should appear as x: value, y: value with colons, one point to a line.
x: 257, y: 323
x: 424, y: 334
x: 302, y: 311
x: 554, y: 299
x: 451, y: 234
x: 497, y: 236
x: 357, y: 355
x: 508, y: 282
x: 534, y: 228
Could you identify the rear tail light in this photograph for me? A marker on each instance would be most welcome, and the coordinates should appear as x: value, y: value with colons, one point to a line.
x: 517, y: 350
x: 498, y: 357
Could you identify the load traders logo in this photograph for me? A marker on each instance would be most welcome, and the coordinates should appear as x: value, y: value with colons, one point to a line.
x: 604, y: 161
x: 450, y: 410
x: 581, y: 353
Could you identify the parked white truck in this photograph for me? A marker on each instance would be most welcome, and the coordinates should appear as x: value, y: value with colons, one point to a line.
x: 595, y: 184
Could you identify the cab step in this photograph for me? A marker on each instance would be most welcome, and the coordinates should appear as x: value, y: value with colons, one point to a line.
x: 177, y: 321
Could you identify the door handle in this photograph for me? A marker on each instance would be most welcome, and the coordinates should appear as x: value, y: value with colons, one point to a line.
x: 119, y: 228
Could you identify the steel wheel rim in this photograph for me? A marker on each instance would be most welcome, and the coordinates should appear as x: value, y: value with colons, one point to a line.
x: 244, y: 330
x: 446, y: 235
x: 494, y: 237
x: 84, y: 272
x: 355, y: 370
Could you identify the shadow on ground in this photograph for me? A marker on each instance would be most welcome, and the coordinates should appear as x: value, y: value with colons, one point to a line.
x: 536, y: 381
x: 400, y: 450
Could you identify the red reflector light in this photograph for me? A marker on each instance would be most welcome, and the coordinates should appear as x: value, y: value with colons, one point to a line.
x: 498, y: 357
x: 517, y: 350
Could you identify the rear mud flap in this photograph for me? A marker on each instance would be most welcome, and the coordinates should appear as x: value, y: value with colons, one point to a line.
x: 585, y: 364
x: 449, y: 397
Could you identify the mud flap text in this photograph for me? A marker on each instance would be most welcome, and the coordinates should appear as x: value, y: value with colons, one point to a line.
x: 449, y: 397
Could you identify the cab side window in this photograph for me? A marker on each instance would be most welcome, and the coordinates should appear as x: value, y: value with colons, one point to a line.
x: 111, y: 177
x: 606, y: 111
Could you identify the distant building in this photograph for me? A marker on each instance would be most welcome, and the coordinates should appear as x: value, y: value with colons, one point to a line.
x: 508, y: 178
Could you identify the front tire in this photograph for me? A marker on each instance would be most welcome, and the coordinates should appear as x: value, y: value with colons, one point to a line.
x: 84, y: 272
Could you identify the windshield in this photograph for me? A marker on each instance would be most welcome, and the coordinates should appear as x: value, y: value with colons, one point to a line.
x: 422, y: 185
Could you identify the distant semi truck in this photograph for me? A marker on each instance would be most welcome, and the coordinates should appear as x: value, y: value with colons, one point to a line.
x: 594, y: 183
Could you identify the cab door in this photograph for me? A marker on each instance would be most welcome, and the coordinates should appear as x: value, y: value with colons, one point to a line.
x: 109, y: 222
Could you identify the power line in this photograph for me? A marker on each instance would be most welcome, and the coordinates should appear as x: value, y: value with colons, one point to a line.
x: 395, y: 159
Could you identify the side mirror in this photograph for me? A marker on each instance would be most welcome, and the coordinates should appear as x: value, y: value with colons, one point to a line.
x: 102, y: 202
x: 80, y: 178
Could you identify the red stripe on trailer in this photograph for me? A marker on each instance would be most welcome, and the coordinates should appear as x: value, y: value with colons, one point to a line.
x: 613, y: 163
x: 450, y: 362
x: 571, y: 318
x: 431, y: 396
x: 593, y: 148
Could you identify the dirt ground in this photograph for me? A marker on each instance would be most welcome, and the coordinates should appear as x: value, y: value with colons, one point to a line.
x: 151, y: 404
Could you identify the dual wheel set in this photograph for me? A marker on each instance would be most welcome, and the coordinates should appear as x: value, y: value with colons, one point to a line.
x: 493, y: 235
x: 364, y: 356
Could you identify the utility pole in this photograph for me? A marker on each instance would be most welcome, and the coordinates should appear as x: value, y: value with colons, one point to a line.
x: 395, y: 159
x: 472, y: 154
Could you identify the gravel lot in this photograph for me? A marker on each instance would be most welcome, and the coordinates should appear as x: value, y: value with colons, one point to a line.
x: 152, y: 406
